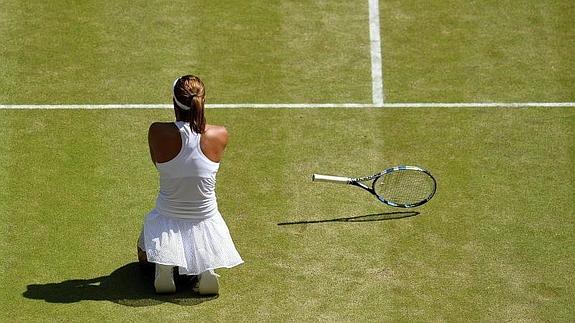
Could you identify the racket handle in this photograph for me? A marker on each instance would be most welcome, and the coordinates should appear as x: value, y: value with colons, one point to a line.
x: 329, y: 178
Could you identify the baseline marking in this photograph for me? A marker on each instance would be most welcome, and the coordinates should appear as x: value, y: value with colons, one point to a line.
x: 376, y: 65
x: 293, y: 105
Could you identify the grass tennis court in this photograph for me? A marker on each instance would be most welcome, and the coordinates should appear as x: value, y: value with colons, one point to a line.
x: 493, y: 245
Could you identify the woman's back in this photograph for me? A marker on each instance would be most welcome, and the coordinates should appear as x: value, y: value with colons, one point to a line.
x: 188, y: 180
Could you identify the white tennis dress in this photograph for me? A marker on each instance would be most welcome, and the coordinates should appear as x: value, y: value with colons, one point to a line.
x: 186, y: 228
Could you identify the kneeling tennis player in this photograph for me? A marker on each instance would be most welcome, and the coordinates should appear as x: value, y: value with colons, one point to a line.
x: 185, y: 229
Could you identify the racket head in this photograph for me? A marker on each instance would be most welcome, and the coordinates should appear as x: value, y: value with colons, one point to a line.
x: 404, y: 186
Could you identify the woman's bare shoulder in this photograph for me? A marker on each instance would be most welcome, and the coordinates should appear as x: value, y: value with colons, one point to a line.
x: 214, y: 141
x: 164, y: 140
x: 162, y: 129
x: 158, y: 126
x: 216, y: 133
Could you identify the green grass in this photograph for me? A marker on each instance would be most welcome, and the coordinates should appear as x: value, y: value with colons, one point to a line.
x: 126, y: 51
x: 478, y: 51
x: 492, y: 245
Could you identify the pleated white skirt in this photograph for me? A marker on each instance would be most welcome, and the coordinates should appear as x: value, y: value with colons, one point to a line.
x: 195, y: 246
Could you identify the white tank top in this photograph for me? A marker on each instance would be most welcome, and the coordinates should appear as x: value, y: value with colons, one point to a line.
x: 188, y: 181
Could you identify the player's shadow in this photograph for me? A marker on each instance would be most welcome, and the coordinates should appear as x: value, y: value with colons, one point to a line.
x: 129, y: 285
x: 361, y: 218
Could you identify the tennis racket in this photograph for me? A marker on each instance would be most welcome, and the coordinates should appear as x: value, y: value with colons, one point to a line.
x: 400, y: 186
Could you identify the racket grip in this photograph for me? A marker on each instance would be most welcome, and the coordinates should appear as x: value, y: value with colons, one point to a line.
x: 331, y: 179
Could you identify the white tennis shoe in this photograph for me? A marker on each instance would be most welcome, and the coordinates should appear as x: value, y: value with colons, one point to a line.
x: 208, y: 283
x: 164, y: 281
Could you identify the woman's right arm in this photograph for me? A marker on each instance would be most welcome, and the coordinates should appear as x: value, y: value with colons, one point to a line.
x: 150, y: 141
x: 164, y: 141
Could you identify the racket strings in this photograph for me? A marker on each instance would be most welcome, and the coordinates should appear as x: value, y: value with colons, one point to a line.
x: 405, y: 187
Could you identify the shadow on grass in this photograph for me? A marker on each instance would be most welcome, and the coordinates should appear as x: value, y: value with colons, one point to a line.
x: 362, y: 218
x: 129, y: 285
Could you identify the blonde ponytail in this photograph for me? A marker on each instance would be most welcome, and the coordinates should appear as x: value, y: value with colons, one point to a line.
x: 189, y: 93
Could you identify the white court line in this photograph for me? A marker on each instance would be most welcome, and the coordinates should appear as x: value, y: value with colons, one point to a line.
x: 376, y: 61
x: 293, y: 105
x: 483, y: 105
x: 169, y: 106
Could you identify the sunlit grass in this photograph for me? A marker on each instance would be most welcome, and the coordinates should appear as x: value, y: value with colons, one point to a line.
x: 495, y: 237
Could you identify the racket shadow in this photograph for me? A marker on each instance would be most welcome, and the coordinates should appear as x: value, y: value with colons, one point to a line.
x: 361, y: 218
